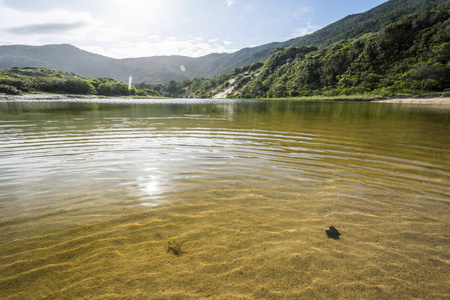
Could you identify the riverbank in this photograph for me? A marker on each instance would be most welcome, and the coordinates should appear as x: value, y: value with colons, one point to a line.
x: 424, y: 100
x: 434, y: 101
x: 68, y: 97
x: 410, y: 99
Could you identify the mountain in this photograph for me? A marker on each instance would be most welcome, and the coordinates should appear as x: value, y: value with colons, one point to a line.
x: 408, y: 56
x: 373, y: 20
x: 155, y: 69
x: 60, y: 57
x: 162, y: 69
x: 71, y: 59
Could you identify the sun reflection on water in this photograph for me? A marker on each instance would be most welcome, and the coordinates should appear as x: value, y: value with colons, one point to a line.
x: 151, y: 188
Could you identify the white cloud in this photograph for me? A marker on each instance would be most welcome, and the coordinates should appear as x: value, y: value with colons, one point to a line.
x: 44, y: 29
x: 113, y: 39
x: 297, y: 13
x: 307, y: 29
x: 230, y: 2
x: 122, y: 29
x: 11, y: 18
x: 130, y: 33
x: 301, y: 11
x: 155, y: 47
x: 52, y: 26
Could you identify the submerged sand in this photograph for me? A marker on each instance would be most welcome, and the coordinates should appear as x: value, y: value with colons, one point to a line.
x: 250, y: 201
x: 246, y: 246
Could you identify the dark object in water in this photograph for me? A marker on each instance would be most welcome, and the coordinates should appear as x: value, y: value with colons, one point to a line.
x: 333, y: 233
x: 174, y: 247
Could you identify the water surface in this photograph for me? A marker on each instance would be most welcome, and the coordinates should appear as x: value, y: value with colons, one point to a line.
x: 91, y: 192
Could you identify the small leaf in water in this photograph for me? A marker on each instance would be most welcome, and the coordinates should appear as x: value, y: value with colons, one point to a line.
x: 174, y: 247
x: 333, y: 233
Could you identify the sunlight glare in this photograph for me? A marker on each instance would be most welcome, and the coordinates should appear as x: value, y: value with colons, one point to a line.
x: 151, y: 187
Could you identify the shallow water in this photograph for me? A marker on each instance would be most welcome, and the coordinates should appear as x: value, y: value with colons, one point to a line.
x: 91, y: 192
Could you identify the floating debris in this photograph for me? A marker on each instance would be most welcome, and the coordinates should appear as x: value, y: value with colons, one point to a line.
x: 333, y: 233
x: 174, y: 247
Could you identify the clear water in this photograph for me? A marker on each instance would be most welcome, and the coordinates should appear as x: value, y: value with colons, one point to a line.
x: 91, y: 192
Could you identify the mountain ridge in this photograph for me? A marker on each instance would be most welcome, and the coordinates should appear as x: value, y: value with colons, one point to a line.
x: 411, y: 56
x: 370, y: 21
x: 163, y: 69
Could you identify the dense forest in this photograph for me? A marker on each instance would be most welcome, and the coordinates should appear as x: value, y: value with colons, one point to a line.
x: 356, y: 25
x: 408, y: 56
x: 411, y: 55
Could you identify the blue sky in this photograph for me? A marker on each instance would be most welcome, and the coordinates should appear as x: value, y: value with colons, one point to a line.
x: 139, y: 28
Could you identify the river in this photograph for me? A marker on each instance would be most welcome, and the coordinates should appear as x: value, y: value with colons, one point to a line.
x: 92, y: 192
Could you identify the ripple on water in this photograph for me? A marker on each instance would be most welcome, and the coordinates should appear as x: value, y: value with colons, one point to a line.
x: 90, y: 198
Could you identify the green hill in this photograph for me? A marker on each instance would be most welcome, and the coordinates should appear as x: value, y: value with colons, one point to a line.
x: 42, y: 80
x: 408, y: 56
x: 373, y: 20
x: 163, y: 69
x: 155, y: 69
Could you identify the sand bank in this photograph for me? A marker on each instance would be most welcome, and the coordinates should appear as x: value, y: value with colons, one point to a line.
x: 410, y: 100
x: 428, y: 101
x: 44, y: 97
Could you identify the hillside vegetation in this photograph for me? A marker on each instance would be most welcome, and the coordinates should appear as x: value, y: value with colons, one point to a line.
x: 163, y: 69
x: 354, y: 26
x: 408, y: 56
x: 41, y: 80
x: 401, y: 46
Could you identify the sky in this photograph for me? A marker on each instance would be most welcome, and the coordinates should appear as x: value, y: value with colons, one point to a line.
x: 142, y: 28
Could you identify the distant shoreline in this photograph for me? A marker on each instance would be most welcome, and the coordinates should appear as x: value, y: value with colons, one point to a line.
x: 69, y: 97
x: 433, y: 101
x: 428, y: 100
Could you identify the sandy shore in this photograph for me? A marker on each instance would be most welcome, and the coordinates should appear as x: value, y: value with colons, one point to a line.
x: 410, y: 100
x: 44, y: 97
x: 65, y: 97
x: 432, y: 101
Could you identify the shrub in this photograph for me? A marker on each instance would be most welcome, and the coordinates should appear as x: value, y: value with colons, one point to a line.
x: 77, y: 86
x: 113, y: 89
x: 8, y: 89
